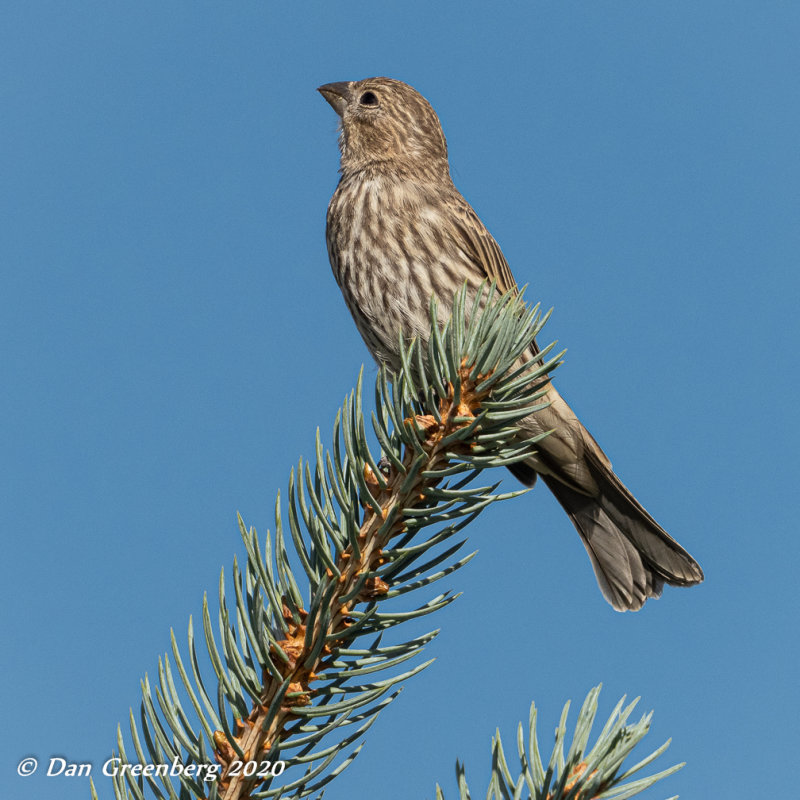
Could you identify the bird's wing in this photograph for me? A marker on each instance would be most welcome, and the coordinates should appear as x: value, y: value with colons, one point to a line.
x: 562, y: 453
x: 480, y: 246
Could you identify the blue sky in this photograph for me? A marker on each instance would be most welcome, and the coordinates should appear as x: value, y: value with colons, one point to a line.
x: 171, y: 336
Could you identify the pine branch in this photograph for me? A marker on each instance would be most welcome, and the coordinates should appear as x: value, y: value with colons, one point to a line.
x: 286, y: 660
x: 580, y: 774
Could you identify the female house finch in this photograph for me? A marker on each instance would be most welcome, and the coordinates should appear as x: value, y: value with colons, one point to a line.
x: 398, y: 231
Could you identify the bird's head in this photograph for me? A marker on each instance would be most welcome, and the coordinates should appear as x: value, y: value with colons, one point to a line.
x: 384, y: 120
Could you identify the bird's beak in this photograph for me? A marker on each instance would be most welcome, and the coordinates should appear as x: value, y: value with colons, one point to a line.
x: 337, y: 94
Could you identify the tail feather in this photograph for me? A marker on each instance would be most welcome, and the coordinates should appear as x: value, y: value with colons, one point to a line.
x: 632, y: 555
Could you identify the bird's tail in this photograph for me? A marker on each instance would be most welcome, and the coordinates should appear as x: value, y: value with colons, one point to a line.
x: 632, y: 555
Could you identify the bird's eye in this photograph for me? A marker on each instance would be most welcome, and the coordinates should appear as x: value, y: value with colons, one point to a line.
x: 368, y: 99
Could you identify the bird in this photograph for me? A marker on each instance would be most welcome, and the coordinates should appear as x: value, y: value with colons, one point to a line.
x: 398, y: 231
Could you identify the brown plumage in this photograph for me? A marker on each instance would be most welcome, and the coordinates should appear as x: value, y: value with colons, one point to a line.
x: 398, y: 232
